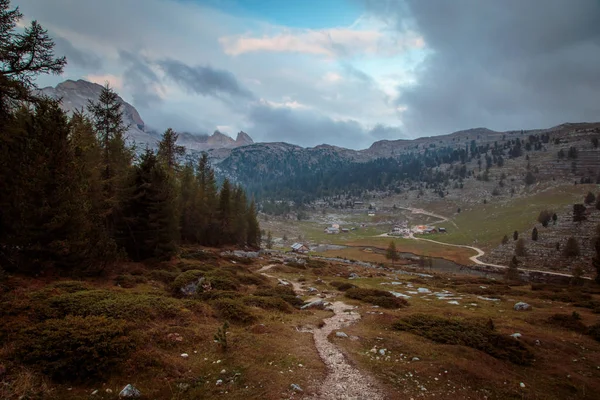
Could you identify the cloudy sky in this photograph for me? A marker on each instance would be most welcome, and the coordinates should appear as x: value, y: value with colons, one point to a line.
x: 343, y: 72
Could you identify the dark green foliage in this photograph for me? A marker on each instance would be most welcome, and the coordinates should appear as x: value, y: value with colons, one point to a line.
x: 70, y: 286
x: 579, y: 213
x: 128, y: 280
x: 571, y: 248
x: 520, y: 248
x: 534, y: 234
x: 268, y: 303
x: 162, y: 276
x: 474, y: 334
x: 515, y: 235
x: 571, y: 322
x: 221, y: 336
x: 149, y: 228
x: 75, y: 348
x: 187, y: 277
x: 312, y: 263
x: 377, y: 297
x: 545, y: 217
x: 233, y: 310
x: 391, y: 252
x: 284, y: 292
x: 343, y: 286
x: 529, y: 178
x: 589, y: 198
x: 129, y: 306
x: 505, y: 240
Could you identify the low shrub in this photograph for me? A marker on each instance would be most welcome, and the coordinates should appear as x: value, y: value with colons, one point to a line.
x: 234, y: 311
x: 284, y: 292
x: 75, y: 348
x: 218, y: 294
x: 312, y: 263
x: 130, y: 306
x: 571, y: 322
x: 474, y: 334
x: 240, y: 260
x: 343, y: 286
x: 296, y: 264
x: 70, y: 286
x: 268, y: 303
x: 163, y: 276
x: 186, y: 277
x: 571, y: 296
x: 377, y: 297
x: 198, y: 255
x: 252, y: 279
x: 126, y: 281
x: 594, y: 331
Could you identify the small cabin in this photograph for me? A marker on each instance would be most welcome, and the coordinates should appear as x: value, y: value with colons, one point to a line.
x: 300, y: 248
x: 442, y: 230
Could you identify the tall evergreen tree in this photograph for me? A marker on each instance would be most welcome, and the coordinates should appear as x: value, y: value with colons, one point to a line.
x: 107, y: 118
x: 253, y: 232
x: 169, y: 150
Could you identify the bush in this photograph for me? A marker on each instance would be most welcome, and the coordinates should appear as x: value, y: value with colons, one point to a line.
x: 311, y: 263
x: 234, y: 311
x: 377, y: 297
x: 130, y: 306
x: 286, y: 293
x: 594, y: 332
x: 571, y: 248
x: 222, y: 282
x: 268, y: 303
x: 199, y: 255
x: 343, y: 286
x: 163, y: 276
x: 571, y: 322
x: 218, y: 294
x: 186, y: 277
x: 127, y: 281
x: 477, y: 335
x: 75, y: 348
x: 70, y: 286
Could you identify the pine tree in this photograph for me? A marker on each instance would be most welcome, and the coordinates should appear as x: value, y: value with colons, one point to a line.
x: 253, y: 233
x: 520, y: 249
x: 579, y: 213
x: 150, y: 222
x: 534, y: 234
x: 169, y: 151
x: 225, y: 214
x: 189, y: 205
x: 512, y: 272
x: 23, y: 56
x: 505, y: 239
x: 107, y: 118
x: 589, y: 198
x: 392, y: 253
x: 269, y: 242
x: 44, y: 218
x: 571, y: 248
x: 515, y: 235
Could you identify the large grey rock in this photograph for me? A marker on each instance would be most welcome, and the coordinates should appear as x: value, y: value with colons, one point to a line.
x: 341, y: 334
x: 521, y: 306
x: 296, y: 387
x: 130, y: 392
x: 314, y: 304
x: 192, y: 288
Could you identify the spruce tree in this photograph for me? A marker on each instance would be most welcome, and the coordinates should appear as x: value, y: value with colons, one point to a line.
x: 169, y: 150
x: 253, y: 233
x: 107, y: 118
x: 571, y: 248
x: 391, y: 252
x: 534, y: 234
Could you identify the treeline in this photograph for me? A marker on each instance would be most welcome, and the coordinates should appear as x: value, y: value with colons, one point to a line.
x: 74, y: 196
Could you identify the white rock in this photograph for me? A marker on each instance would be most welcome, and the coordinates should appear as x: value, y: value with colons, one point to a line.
x: 223, y: 371
x: 341, y: 334
x: 130, y: 391
x: 398, y: 294
x: 184, y: 355
x: 453, y: 302
x: 382, y: 351
x: 296, y: 388
x: 522, y: 384
x: 95, y: 392
x: 416, y: 359
x: 423, y: 290
x: 219, y: 382
x: 516, y: 335
x: 521, y: 306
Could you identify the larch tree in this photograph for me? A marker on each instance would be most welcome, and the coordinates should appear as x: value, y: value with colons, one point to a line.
x: 391, y: 253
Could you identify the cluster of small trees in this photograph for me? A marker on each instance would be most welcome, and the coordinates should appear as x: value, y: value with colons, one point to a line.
x: 74, y: 195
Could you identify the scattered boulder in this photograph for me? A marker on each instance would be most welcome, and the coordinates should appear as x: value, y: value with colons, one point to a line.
x: 341, y: 334
x: 453, y: 302
x: 423, y: 290
x: 296, y: 387
x: 175, y: 337
x: 315, y: 304
x: 353, y: 276
x: 521, y: 306
x: 283, y: 282
x: 382, y: 351
x: 184, y: 355
x: 516, y: 335
x: 312, y: 290
x: 219, y: 382
x: 416, y: 359
x: 130, y: 391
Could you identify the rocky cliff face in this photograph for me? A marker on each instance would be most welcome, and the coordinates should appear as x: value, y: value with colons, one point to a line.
x: 75, y: 95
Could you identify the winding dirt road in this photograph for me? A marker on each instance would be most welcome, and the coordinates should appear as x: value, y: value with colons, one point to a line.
x: 480, y: 253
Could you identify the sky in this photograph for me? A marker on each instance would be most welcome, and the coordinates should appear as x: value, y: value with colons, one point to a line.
x: 340, y: 72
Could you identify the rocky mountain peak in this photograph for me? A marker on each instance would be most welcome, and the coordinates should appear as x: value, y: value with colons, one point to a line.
x: 243, y: 139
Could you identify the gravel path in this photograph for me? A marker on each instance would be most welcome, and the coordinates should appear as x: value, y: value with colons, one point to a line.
x: 343, y: 381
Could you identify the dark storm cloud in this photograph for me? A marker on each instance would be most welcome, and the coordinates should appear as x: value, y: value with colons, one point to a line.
x: 310, y: 128
x: 140, y: 79
x: 76, y: 56
x: 502, y: 64
x: 205, y: 80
